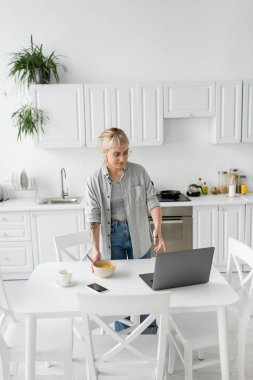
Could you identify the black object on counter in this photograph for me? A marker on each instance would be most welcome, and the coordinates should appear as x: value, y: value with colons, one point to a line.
x: 170, y: 194
x: 181, y: 198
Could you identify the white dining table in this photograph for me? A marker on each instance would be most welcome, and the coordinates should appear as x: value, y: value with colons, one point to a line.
x: 42, y: 297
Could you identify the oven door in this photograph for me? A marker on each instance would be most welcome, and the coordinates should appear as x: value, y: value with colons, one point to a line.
x: 177, y: 233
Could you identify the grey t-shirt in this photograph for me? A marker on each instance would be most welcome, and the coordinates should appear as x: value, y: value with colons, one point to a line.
x: 118, y: 211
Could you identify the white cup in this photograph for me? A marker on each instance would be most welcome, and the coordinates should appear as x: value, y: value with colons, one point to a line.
x: 63, y: 277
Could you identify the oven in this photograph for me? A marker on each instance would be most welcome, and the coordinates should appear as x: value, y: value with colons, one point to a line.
x: 176, y: 228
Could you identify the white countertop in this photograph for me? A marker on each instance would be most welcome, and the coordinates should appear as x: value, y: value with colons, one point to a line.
x: 211, y: 200
x: 29, y: 204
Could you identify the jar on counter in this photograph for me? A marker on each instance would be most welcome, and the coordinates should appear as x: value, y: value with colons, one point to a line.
x: 242, y: 183
x: 214, y: 190
x: 222, y: 182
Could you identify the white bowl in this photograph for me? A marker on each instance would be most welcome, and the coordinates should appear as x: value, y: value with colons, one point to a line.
x: 104, y: 272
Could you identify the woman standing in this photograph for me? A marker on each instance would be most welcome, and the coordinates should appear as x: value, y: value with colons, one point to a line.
x: 118, y: 196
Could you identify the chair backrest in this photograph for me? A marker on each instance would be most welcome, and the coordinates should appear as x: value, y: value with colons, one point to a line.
x: 6, y: 315
x: 61, y: 243
x: 139, y: 365
x: 239, y: 255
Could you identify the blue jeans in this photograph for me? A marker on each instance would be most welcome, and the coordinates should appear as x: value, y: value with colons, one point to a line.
x: 121, y: 249
x: 121, y: 245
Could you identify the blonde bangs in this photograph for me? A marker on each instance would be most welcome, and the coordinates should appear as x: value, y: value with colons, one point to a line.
x: 112, y: 138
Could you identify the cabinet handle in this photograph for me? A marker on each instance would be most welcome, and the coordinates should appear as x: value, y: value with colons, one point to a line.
x: 7, y: 259
x: 5, y: 235
x: 3, y: 219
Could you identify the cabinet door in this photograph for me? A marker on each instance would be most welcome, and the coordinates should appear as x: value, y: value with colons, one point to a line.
x: 150, y: 114
x: 205, y: 229
x: 97, y: 111
x: 247, y: 120
x: 249, y: 225
x: 64, y: 106
x: 46, y: 225
x: 124, y: 110
x: 195, y: 99
x: 231, y: 224
x: 226, y: 127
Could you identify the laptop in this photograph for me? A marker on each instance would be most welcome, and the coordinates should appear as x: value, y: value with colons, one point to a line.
x: 182, y: 268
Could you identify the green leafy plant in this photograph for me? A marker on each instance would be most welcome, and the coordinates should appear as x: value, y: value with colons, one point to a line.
x: 30, y: 65
x: 28, y: 119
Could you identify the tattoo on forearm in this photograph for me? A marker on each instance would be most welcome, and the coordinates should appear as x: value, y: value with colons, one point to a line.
x: 93, y: 226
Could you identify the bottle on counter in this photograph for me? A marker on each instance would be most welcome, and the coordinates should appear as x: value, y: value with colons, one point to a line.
x: 205, y: 188
x: 234, y: 174
x: 241, y: 181
x: 232, y: 182
x: 243, y: 184
x: 200, y: 185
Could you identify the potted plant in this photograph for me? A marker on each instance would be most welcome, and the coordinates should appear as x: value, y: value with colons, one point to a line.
x: 28, y: 119
x: 30, y: 65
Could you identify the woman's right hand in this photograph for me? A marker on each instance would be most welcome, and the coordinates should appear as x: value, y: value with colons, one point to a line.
x: 96, y: 257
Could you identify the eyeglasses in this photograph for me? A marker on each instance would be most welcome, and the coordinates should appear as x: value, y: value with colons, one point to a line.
x: 117, y: 155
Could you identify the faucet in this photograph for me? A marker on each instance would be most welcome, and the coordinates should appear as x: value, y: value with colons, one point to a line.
x: 63, y: 193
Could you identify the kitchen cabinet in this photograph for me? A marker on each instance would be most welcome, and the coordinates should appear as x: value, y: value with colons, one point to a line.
x: 135, y: 108
x: 97, y: 111
x: 231, y: 224
x: 213, y: 225
x: 249, y: 225
x: 189, y: 99
x: 16, y: 255
x: 226, y: 126
x: 234, y: 115
x: 150, y: 114
x: 206, y: 229
x: 247, y: 120
x: 64, y: 105
x: 46, y: 225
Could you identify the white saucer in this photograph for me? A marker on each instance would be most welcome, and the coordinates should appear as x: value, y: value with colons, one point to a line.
x: 69, y: 284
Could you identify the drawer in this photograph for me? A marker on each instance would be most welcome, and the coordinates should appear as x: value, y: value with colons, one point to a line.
x: 16, y: 257
x: 15, y: 226
x: 14, y: 218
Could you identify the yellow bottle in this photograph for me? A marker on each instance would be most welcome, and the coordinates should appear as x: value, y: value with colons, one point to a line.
x: 204, y: 189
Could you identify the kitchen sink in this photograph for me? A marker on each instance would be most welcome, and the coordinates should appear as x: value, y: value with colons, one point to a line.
x: 58, y: 201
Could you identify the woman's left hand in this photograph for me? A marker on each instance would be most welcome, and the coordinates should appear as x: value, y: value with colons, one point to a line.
x: 159, y: 243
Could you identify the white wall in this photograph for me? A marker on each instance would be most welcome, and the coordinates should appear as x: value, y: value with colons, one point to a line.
x: 130, y: 40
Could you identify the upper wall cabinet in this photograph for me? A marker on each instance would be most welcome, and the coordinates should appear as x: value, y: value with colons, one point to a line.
x: 226, y: 127
x: 234, y: 116
x: 193, y: 99
x: 135, y: 108
x: 64, y: 104
x: 97, y: 111
x: 247, y: 120
x: 150, y: 114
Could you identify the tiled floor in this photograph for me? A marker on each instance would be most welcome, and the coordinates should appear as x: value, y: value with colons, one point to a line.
x: 55, y: 372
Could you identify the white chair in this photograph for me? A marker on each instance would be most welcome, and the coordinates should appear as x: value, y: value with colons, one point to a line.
x: 71, y: 240
x: 197, y: 331
x: 54, y: 339
x: 125, y: 356
x: 63, y: 242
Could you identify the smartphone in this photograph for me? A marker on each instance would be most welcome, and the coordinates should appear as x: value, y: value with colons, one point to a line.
x: 97, y: 288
